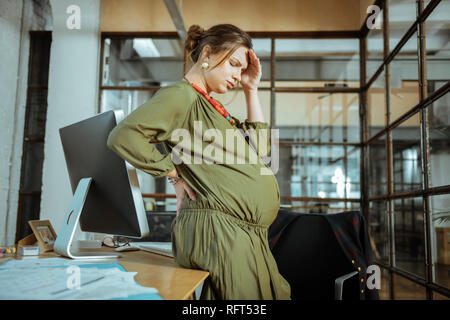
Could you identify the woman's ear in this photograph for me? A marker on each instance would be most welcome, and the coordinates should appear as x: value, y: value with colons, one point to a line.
x: 206, y: 52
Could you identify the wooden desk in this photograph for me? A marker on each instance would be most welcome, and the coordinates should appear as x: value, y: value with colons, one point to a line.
x: 153, y: 270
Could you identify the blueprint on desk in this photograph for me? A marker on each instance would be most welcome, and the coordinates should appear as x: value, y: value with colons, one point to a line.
x: 62, y: 279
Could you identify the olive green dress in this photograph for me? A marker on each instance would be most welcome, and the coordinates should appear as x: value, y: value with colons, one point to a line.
x: 224, y: 231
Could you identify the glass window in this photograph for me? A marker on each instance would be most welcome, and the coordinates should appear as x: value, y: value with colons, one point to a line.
x: 377, y: 167
x: 406, y: 155
x: 315, y: 206
x: 334, y: 60
x: 440, y: 214
x: 379, y: 226
x: 318, y: 117
x: 316, y: 84
x: 234, y: 102
x: 409, y: 235
x: 376, y: 105
x: 264, y: 83
x: 262, y: 47
x: 439, y: 131
x: 402, y: 14
x: 125, y: 100
x: 407, y: 290
x: 156, y: 205
x: 319, y: 171
x: 438, y: 46
x: 148, y: 184
x: 142, y: 62
x: 404, y: 79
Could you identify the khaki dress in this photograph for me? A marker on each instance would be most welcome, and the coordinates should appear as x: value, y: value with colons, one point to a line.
x: 224, y: 231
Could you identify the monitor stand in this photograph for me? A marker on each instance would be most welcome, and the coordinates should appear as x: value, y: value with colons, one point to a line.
x: 65, y: 235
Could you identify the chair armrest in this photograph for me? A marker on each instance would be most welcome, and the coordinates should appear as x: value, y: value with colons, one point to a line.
x: 339, y: 284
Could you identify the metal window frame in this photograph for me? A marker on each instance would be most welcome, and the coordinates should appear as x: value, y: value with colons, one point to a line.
x: 426, y: 191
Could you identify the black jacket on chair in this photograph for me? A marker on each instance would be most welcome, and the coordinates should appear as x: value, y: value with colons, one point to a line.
x: 313, y: 250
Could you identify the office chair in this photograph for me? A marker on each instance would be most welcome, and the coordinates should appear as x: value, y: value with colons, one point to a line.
x: 310, y: 258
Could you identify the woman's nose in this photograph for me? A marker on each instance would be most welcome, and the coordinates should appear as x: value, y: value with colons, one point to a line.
x: 237, y: 77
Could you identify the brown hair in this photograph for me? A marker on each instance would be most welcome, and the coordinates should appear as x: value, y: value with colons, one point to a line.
x: 221, y: 38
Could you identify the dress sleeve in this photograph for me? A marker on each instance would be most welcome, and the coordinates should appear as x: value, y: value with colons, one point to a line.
x: 153, y: 122
x: 261, y: 131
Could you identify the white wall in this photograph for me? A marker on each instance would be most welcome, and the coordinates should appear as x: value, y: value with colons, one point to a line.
x: 11, y: 115
x: 17, y: 18
x: 72, y: 96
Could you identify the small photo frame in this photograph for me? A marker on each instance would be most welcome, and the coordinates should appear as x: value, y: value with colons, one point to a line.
x: 44, y: 233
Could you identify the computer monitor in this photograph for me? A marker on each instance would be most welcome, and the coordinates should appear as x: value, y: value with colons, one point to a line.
x: 107, y: 197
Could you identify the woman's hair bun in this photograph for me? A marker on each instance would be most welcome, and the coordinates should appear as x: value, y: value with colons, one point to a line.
x: 193, y: 36
x: 220, y: 38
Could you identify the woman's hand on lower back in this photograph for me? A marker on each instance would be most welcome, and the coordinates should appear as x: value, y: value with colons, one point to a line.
x: 181, y: 188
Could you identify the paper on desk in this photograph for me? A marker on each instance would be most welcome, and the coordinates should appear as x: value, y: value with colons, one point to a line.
x: 117, y: 284
x: 48, y: 262
x: 47, y: 279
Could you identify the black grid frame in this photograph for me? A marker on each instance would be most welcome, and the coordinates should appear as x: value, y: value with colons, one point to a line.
x: 425, y: 191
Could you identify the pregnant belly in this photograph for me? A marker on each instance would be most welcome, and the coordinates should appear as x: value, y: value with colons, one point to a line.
x: 259, y: 197
x: 241, y: 191
x: 268, y: 199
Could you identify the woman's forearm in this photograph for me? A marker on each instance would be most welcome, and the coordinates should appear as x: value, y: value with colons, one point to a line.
x: 254, y: 110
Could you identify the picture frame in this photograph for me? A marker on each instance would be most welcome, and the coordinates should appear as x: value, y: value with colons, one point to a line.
x: 44, y: 233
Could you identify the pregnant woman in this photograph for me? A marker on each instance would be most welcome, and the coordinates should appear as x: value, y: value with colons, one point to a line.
x: 222, y: 224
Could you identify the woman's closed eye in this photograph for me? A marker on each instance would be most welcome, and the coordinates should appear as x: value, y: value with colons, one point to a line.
x: 238, y: 66
x: 234, y: 64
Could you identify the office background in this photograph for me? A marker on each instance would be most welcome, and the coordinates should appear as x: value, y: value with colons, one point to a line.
x: 362, y: 106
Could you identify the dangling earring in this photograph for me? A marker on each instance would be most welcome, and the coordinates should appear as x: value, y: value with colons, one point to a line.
x: 205, y: 65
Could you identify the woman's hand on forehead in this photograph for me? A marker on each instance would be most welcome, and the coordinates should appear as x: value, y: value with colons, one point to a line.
x: 252, y: 75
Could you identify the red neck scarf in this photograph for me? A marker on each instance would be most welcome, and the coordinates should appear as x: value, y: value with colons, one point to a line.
x: 213, y: 102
